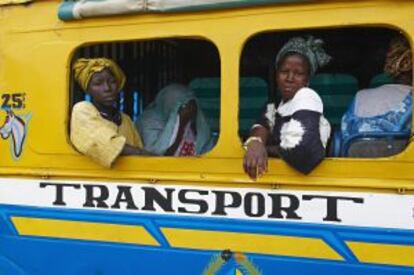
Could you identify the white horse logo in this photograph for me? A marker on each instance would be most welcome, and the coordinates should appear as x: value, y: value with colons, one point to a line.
x: 16, y: 127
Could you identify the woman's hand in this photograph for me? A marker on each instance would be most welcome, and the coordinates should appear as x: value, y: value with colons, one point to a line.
x: 187, y: 112
x: 255, y: 159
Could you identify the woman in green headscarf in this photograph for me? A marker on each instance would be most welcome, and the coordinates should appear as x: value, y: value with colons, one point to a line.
x: 98, y: 130
x: 295, y: 130
x: 174, y: 124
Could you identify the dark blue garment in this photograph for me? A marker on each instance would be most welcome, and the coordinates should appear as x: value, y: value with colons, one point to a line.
x: 306, y: 151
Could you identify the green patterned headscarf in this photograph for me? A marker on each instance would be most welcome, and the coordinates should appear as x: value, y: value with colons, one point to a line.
x: 311, y: 48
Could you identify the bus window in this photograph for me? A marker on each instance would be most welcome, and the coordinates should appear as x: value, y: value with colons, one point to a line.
x: 171, y: 93
x: 368, y: 108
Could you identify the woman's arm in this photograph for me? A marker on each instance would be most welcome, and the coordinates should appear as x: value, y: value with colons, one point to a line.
x: 171, y: 150
x: 255, y: 159
x: 301, y: 145
x: 185, y: 115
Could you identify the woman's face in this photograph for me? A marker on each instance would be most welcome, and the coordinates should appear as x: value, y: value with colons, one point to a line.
x: 103, y: 87
x: 292, y: 74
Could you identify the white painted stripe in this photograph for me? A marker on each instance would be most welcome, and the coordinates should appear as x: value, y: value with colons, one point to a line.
x: 376, y: 210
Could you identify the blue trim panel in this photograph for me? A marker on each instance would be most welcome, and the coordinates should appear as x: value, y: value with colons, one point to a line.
x: 44, y: 256
x: 65, y: 11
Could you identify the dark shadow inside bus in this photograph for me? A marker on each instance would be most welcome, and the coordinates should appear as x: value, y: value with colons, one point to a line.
x: 352, y: 87
x: 152, y: 66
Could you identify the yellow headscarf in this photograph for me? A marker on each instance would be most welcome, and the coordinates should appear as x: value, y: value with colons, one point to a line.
x: 84, y: 68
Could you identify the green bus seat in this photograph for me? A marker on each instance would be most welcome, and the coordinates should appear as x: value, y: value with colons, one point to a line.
x: 336, y: 91
x: 380, y: 79
x: 253, y: 96
x: 207, y: 91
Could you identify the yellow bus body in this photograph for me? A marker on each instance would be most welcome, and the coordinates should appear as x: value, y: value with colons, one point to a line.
x: 36, y: 51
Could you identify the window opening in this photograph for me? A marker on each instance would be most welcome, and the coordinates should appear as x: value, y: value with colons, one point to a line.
x: 150, y: 66
x: 358, y: 58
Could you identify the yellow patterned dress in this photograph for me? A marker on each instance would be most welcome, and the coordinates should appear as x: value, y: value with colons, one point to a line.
x: 99, y: 138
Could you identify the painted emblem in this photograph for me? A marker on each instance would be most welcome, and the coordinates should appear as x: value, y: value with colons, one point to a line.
x: 15, y: 128
x: 236, y: 262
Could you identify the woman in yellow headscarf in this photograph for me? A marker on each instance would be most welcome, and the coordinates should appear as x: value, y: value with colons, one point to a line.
x: 98, y: 130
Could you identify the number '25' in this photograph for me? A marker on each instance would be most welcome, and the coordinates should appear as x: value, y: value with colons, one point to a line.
x: 15, y: 100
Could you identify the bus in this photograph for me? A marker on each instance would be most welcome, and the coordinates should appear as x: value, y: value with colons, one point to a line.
x: 61, y: 213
